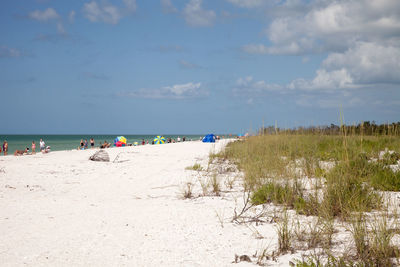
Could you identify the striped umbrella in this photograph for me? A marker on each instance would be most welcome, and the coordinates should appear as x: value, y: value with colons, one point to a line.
x: 159, y: 140
x: 120, y: 141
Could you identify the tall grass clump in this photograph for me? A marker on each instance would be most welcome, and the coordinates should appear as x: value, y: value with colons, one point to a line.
x: 373, y: 242
x: 284, y: 232
x: 346, y: 192
x: 215, y: 184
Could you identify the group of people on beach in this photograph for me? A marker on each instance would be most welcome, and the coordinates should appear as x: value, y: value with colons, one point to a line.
x: 42, y: 145
x: 84, y: 144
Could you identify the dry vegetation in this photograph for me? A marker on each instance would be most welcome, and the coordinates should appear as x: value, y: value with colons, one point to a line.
x: 340, y: 180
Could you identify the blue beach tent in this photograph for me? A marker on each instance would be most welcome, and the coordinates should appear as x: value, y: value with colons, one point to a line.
x: 209, y: 138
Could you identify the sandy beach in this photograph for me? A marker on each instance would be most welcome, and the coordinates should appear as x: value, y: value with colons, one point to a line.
x: 60, y: 209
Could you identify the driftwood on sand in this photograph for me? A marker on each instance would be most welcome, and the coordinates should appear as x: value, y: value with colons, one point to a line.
x: 100, y: 155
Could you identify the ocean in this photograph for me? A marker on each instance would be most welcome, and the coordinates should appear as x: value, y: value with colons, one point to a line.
x: 68, y: 142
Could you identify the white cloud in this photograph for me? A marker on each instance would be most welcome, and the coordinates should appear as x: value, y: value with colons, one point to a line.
x: 248, y: 3
x: 325, y: 80
x: 9, y: 52
x: 46, y: 15
x: 60, y: 28
x: 361, y: 38
x: 292, y: 48
x: 188, y: 65
x: 330, y: 26
x: 248, y: 87
x: 368, y: 63
x: 168, y: 7
x: 130, y: 5
x: 183, y: 89
x: 71, y: 16
x: 108, y: 13
x: 363, y: 65
x: 196, y: 16
x: 177, y: 91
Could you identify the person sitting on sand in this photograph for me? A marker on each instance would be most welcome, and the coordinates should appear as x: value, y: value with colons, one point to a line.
x: 46, y: 150
x: 20, y: 152
x: 105, y: 145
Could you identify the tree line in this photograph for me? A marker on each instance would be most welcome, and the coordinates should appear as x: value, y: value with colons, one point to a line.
x: 363, y: 128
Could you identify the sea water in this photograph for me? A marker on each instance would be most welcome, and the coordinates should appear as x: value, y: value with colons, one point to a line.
x: 68, y: 142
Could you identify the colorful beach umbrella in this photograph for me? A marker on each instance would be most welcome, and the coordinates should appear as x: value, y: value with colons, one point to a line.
x: 120, y: 141
x: 159, y: 140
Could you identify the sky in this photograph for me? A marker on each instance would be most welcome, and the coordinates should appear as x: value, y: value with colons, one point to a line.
x: 196, y: 66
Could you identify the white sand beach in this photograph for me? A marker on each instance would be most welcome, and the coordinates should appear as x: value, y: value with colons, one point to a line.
x: 60, y: 209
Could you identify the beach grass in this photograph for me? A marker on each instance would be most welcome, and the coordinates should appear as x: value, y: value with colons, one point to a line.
x: 332, y: 177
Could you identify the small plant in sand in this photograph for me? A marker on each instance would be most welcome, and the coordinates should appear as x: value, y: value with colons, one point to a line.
x: 230, y: 181
x: 187, y: 191
x: 265, y: 254
x: 220, y: 216
x: 195, y: 167
x: 285, y: 234
x: 203, y: 183
x: 381, y: 248
x: 215, y: 184
x: 359, y: 232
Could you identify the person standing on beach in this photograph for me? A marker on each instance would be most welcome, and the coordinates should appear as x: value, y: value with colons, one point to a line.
x: 33, y: 147
x: 86, y: 144
x: 42, y: 145
x: 5, y: 148
x: 92, y: 142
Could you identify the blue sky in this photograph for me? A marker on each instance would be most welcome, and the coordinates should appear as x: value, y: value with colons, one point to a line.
x: 196, y: 66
